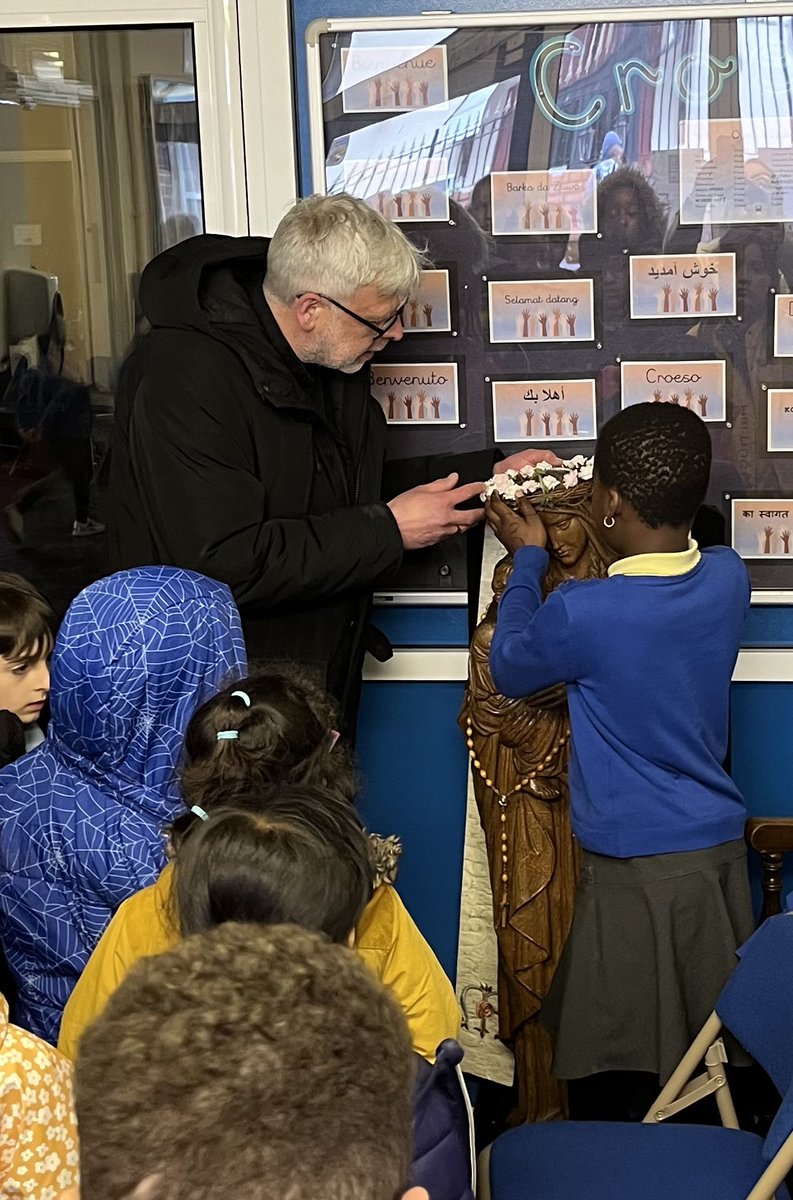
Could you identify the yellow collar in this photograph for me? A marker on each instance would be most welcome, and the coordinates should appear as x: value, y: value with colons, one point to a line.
x: 678, y: 563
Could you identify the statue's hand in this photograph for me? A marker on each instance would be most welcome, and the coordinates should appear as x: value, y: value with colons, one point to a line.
x: 545, y: 789
x: 515, y: 529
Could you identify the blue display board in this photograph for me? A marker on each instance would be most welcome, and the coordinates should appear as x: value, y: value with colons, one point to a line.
x: 653, y: 89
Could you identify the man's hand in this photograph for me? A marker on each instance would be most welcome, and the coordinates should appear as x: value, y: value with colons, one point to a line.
x: 516, y: 529
x: 427, y: 514
x: 526, y: 458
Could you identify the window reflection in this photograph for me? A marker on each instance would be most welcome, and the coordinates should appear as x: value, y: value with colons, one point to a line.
x: 99, y: 171
x: 573, y: 152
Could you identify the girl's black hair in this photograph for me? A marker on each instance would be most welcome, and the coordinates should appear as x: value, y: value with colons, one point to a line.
x: 657, y: 456
x: 284, y: 738
x: 301, y: 859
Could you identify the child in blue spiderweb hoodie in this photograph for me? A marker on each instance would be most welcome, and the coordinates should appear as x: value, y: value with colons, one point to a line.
x: 647, y: 656
x: 81, y: 819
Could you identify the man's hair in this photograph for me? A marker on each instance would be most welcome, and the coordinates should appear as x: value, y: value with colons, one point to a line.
x: 657, y: 456
x: 254, y: 1062
x: 299, y: 857
x: 26, y: 619
x: 338, y: 244
x: 284, y: 738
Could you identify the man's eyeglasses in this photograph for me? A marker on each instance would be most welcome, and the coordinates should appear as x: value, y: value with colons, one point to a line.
x: 380, y: 330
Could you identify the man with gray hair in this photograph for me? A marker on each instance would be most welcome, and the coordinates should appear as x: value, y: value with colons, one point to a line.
x: 247, y: 445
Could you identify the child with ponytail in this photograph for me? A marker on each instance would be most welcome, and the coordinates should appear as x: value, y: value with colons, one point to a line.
x: 272, y: 731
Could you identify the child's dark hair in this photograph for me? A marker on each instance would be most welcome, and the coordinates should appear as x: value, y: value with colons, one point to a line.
x: 302, y: 861
x: 26, y: 619
x: 283, y: 737
x: 766, y: 238
x: 657, y: 456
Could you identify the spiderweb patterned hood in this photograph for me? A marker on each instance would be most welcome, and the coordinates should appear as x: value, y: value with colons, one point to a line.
x: 81, y: 817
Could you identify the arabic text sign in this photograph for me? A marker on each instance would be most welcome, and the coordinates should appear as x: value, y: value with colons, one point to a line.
x: 393, y: 79
x: 416, y: 393
x: 762, y: 528
x: 544, y: 410
x: 543, y: 202
x: 686, y: 286
x: 700, y: 386
x: 541, y: 310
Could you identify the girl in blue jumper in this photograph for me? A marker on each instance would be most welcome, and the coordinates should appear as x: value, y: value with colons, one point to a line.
x: 647, y: 655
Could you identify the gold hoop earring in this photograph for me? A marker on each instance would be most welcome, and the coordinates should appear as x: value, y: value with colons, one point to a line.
x: 608, y: 522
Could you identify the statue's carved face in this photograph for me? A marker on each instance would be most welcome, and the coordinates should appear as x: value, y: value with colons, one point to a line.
x: 567, y: 536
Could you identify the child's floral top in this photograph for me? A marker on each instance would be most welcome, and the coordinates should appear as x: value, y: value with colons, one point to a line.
x: 38, y: 1129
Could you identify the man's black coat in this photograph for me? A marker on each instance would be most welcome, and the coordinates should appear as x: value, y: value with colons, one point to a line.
x: 233, y: 458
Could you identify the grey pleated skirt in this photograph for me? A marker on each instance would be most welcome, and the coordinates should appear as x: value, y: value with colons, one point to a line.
x: 652, y: 943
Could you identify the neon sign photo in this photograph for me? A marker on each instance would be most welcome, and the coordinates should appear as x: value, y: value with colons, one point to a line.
x: 625, y: 73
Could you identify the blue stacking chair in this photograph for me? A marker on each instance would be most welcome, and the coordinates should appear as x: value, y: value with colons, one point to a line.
x: 605, y: 1160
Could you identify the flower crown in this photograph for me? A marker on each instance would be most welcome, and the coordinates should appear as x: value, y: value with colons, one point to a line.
x: 543, y: 478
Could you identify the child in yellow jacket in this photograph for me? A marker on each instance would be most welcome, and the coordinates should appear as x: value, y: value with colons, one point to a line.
x: 274, y: 728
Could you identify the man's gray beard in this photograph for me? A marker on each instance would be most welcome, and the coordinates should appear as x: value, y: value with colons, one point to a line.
x: 320, y: 357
